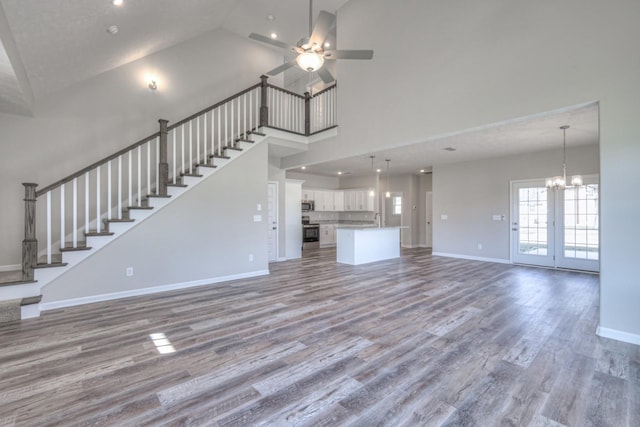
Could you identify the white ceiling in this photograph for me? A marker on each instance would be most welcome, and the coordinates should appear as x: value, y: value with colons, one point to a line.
x: 48, y: 45
x: 63, y: 42
x: 524, y: 135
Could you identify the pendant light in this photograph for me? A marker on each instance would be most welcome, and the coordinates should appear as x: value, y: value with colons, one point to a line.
x: 388, y: 193
x: 372, y: 192
x: 560, y: 182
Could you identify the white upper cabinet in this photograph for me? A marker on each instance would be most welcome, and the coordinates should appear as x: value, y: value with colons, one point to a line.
x: 357, y: 200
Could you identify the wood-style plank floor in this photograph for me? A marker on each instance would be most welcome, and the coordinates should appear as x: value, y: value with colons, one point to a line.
x: 416, y: 341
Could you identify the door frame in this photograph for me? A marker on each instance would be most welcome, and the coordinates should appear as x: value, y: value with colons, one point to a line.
x: 555, y: 229
x: 276, y: 188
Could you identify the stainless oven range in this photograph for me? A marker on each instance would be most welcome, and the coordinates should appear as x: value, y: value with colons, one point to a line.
x: 310, y: 234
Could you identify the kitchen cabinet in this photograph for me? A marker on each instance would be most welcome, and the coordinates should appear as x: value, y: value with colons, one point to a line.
x: 308, y: 195
x: 327, y: 234
x: 359, y: 200
x: 324, y: 200
x: 338, y: 201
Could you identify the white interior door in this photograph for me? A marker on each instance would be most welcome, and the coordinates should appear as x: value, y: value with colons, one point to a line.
x: 429, y: 219
x: 556, y: 228
x: 272, y: 213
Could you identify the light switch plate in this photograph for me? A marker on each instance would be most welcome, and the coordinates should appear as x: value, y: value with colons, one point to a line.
x: 257, y: 218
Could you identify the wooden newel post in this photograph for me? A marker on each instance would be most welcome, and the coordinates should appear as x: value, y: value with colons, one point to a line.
x: 307, y: 113
x: 264, y: 110
x: 29, y: 244
x: 163, y: 166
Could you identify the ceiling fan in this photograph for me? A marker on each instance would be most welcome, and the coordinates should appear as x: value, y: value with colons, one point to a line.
x: 310, y: 51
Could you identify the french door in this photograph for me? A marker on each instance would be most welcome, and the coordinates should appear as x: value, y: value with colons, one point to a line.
x: 556, y: 228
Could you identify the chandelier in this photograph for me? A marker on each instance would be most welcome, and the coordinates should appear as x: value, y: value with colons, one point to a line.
x: 559, y: 182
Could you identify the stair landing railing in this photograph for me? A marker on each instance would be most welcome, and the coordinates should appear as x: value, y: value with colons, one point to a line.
x: 83, y: 203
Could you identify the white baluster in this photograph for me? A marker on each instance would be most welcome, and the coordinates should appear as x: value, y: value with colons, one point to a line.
x: 175, y: 158
x: 48, y: 227
x: 250, y: 110
x: 148, y: 144
x: 158, y: 160
x: 219, y: 133
x: 197, y: 160
x: 190, y: 160
x: 244, y: 108
x: 75, y: 212
x: 226, y: 125
x: 109, y: 205
x: 98, y: 199
x: 204, y: 140
x: 130, y: 179
x: 62, y: 238
x: 119, y: 187
x: 230, y: 142
x: 86, y: 202
x: 212, y: 149
x: 139, y: 157
x: 182, y: 148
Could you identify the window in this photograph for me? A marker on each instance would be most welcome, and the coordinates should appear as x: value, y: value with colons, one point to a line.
x: 397, y: 205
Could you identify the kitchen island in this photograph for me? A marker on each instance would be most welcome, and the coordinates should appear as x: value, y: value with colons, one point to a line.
x: 360, y: 245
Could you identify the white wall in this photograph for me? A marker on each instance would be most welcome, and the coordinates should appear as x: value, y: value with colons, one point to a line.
x: 470, y: 193
x: 293, y: 227
x: 477, y: 63
x: 206, y: 234
x: 86, y: 122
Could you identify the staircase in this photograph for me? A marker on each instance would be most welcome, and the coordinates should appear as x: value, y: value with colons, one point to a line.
x: 77, y: 216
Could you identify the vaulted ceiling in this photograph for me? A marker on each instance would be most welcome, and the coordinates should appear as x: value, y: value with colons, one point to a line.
x: 49, y: 45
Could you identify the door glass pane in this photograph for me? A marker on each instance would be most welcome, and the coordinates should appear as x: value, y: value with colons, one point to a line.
x: 581, y: 229
x: 532, y: 237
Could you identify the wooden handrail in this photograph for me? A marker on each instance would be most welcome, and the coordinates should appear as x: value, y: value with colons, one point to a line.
x: 333, y: 86
x: 213, y: 107
x: 288, y: 92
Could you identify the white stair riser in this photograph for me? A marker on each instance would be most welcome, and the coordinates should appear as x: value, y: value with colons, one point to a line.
x: 140, y: 214
x: 19, y: 291
x: 158, y: 202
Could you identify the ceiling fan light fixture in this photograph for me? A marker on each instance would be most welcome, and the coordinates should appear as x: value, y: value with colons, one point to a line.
x: 310, y: 61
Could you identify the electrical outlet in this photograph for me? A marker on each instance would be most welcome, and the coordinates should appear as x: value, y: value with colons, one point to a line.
x: 480, y: 246
x: 129, y: 271
x: 250, y: 257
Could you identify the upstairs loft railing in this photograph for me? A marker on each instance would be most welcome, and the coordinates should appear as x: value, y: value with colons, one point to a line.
x: 61, y: 213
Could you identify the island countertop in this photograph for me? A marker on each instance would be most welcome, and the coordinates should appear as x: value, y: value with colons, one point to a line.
x: 359, y: 245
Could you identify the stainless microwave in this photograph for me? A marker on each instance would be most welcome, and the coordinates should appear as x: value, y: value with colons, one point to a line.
x: 307, y: 205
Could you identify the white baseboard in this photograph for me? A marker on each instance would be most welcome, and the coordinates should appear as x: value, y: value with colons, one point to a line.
x: 617, y: 335
x: 11, y: 267
x: 473, y: 258
x: 146, y: 291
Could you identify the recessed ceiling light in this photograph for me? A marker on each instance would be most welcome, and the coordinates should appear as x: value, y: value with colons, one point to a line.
x: 327, y: 44
x: 112, y: 29
x: 422, y: 171
x: 303, y: 168
x: 449, y: 149
x: 271, y: 18
x: 339, y: 173
x: 378, y: 170
x: 274, y: 36
x: 118, y: 2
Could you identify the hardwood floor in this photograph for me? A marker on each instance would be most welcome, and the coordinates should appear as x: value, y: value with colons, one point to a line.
x: 417, y: 341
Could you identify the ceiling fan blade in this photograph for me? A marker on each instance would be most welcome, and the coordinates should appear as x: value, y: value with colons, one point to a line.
x: 282, y: 67
x: 325, y: 75
x: 272, y: 42
x: 323, y: 25
x: 348, y: 54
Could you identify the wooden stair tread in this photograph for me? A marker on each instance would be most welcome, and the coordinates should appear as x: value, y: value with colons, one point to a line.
x: 177, y: 185
x: 205, y: 165
x: 17, y: 282
x: 165, y: 196
x: 53, y: 264
x: 31, y: 300
x: 139, y: 207
x: 251, y: 141
x: 94, y: 233
x: 195, y: 175
x: 254, y: 132
x: 118, y: 220
x: 218, y: 156
x: 234, y: 148
x: 78, y: 248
